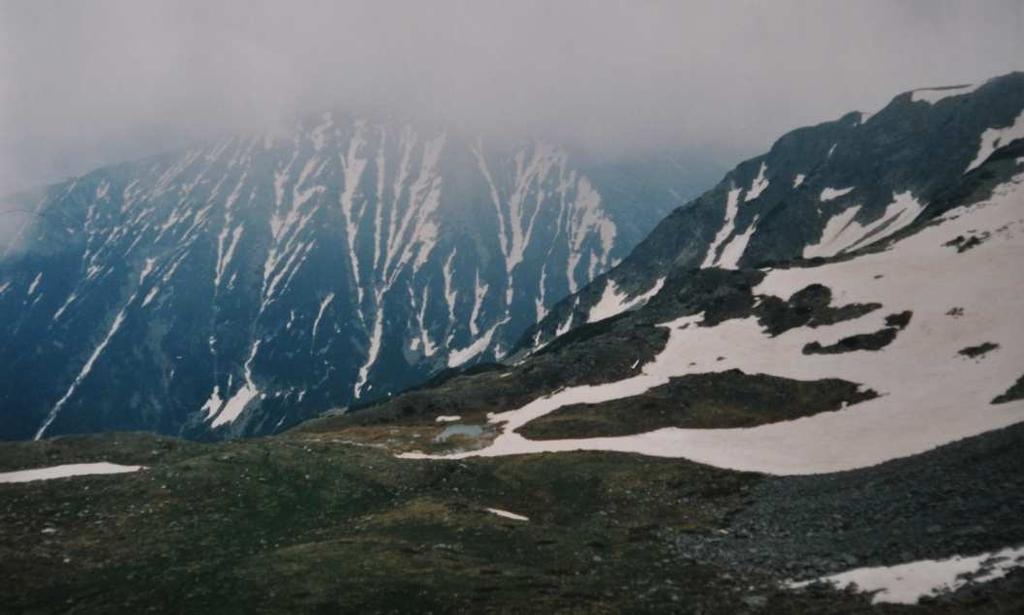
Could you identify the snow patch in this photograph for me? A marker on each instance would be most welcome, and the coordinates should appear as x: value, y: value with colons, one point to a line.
x: 829, y: 194
x: 450, y: 293
x: 60, y: 311
x: 234, y: 407
x: 445, y: 418
x: 908, y: 583
x: 994, y: 138
x: 479, y: 292
x: 66, y: 470
x: 539, y: 306
x: 565, y: 326
x: 429, y: 347
x: 320, y: 314
x: 460, y: 356
x: 507, y: 514
x: 376, y: 336
x: 35, y: 284
x: 224, y: 256
x: 147, y: 268
x: 611, y: 303
x: 213, y: 404
x: 758, y: 185
x: 733, y: 251
x: 150, y: 296
x: 614, y: 302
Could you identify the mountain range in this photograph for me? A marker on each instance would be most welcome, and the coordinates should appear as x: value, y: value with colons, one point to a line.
x: 802, y: 392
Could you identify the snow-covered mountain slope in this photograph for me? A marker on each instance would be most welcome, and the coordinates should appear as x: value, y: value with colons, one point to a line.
x: 241, y: 287
x: 821, y: 191
x: 942, y: 345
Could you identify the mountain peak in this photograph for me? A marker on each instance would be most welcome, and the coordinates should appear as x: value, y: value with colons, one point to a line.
x: 827, y: 190
x: 274, y: 276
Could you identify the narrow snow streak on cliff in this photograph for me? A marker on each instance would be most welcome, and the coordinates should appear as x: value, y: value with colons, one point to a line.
x: 843, y: 233
x: 728, y: 226
x: 97, y: 351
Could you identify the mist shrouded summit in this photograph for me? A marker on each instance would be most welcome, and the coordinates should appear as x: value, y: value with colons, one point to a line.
x: 241, y: 286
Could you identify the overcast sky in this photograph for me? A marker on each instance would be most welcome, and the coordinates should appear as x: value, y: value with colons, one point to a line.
x: 88, y: 82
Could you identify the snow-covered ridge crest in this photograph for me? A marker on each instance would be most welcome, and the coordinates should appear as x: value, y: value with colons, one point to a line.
x: 934, y: 95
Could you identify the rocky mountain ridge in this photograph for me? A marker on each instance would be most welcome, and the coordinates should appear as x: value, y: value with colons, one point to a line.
x: 821, y: 191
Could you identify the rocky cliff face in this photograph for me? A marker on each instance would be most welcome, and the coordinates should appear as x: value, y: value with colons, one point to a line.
x: 240, y: 287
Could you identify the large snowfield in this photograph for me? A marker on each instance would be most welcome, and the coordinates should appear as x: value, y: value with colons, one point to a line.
x: 929, y: 393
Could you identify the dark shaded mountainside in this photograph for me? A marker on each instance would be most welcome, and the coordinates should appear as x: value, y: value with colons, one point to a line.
x: 242, y: 286
x: 821, y: 191
x: 746, y: 439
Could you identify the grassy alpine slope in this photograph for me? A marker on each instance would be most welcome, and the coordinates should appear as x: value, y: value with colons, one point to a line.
x: 295, y: 523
